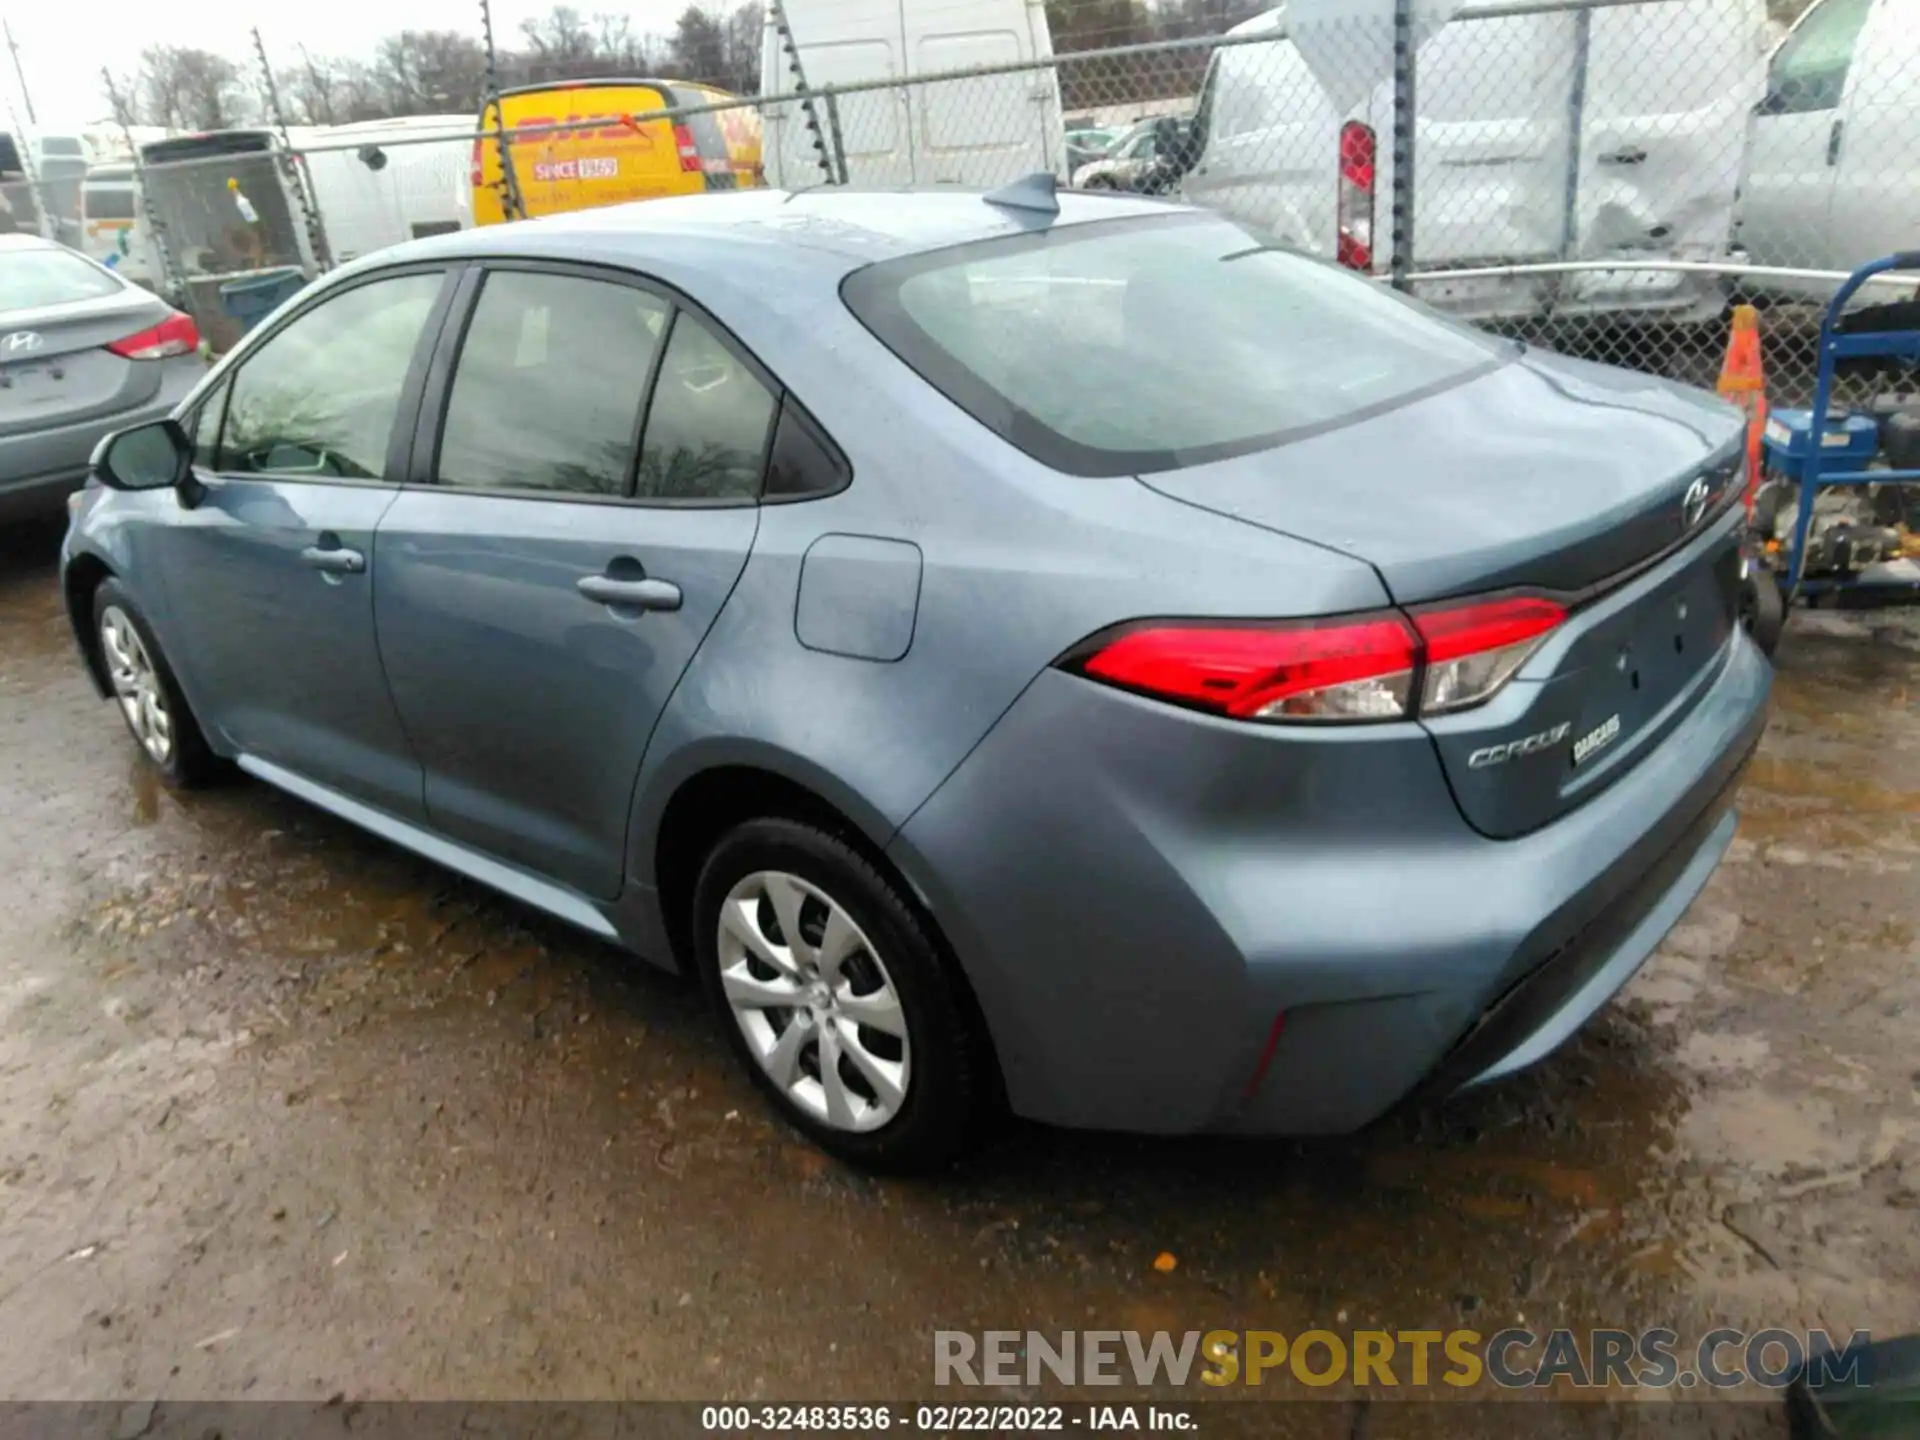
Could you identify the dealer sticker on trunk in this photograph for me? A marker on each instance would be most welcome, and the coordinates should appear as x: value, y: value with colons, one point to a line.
x: 1596, y: 739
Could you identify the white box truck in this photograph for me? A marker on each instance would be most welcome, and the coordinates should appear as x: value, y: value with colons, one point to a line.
x: 983, y: 131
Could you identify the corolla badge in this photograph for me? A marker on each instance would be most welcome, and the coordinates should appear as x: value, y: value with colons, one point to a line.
x: 1514, y: 749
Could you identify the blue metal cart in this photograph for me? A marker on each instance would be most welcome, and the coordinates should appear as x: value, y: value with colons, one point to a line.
x: 1837, y: 345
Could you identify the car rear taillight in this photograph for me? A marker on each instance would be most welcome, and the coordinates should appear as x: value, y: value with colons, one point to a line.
x: 479, y: 172
x: 1359, y: 668
x: 175, y: 335
x: 1472, y: 650
x: 1353, y: 205
x: 1381, y: 666
x: 689, y: 152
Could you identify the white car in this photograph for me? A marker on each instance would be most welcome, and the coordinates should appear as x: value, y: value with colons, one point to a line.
x: 1127, y: 165
x: 1833, y: 153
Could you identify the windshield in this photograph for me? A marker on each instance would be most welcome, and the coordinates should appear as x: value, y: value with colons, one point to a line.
x: 31, y: 279
x: 1153, y: 343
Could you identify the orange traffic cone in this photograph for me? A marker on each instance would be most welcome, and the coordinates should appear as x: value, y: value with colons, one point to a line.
x: 1743, y: 380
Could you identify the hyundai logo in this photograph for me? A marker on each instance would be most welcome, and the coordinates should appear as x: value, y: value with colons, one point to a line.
x: 21, y: 342
x: 1693, y: 506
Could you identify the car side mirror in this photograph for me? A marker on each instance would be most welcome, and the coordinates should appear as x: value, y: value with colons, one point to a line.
x: 145, y: 457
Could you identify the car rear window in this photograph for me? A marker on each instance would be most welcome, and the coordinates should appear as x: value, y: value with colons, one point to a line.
x: 1156, y: 342
x: 30, y: 279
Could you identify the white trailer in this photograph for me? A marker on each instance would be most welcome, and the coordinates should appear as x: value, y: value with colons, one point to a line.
x: 384, y: 190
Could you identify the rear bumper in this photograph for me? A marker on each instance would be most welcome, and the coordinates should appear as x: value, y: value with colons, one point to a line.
x: 39, y: 469
x: 1137, y: 893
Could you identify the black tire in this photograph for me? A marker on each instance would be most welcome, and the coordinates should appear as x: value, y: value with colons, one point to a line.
x: 1763, y: 610
x: 949, y: 1076
x: 190, y: 762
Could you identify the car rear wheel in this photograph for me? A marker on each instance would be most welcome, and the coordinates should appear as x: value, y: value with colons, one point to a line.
x: 146, y: 693
x: 834, y: 992
x: 1763, y: 610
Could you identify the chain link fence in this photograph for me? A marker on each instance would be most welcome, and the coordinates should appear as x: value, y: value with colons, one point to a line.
x: 1597, y: 177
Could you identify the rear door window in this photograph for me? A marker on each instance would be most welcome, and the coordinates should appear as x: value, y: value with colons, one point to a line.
x: 549, y: 384
x: 1152, y: 343
x: 709, y: 423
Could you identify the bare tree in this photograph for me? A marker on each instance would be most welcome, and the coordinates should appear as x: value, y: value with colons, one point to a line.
x: 617, y: 49
x: 699, y: 46
x: 421, y: 72
x: 742, y: 36
x: 310, y: 91
x: 188, y: 89
x: 560, y: 46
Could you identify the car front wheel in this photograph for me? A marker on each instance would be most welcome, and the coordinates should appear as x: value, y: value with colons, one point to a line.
x: 834, y: 992
x: 145, y: 691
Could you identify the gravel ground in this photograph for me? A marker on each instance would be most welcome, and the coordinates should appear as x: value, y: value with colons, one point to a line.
x: 287, y: 1113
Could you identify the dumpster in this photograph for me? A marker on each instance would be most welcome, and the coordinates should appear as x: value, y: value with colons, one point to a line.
x: 251, y: 298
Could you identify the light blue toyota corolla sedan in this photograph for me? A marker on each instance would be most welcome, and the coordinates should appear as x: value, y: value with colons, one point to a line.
x: 1070, y: 655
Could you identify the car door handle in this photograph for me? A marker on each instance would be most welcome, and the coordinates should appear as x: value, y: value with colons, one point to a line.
x: 333, y: 560
x: 630, y: 594
x: 1833, y: 141
x: 1630, y: 155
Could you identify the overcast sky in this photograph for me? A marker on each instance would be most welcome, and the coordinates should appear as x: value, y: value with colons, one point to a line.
x: 63, y: 44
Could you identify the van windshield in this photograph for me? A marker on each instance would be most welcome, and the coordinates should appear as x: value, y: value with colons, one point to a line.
x: 1153, y: 343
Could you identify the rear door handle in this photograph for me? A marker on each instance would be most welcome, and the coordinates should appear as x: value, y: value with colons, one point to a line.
x: 630, y: 594
x: 1631, y: 155
x: 333, y: 560
x: 1833, y: 141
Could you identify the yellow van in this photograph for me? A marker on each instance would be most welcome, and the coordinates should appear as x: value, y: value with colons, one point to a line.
x: 609, y: 152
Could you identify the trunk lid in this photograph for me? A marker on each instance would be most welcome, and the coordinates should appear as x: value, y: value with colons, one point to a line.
x: 64, y: 375
x: 1598, y: 485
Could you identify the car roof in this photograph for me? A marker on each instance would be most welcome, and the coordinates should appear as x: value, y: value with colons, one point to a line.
x: 844, y: 228
x: 19, y: 240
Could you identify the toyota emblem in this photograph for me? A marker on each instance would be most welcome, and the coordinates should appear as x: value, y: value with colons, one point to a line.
x: 1693, y: 506
x: 21, y: 342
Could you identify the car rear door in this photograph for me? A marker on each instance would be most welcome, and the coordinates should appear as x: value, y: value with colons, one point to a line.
x: 1795, y: 142
x: 1660, y: 150
x: 589, y: 468
x: 270, y: 575
x: 1491, y: 152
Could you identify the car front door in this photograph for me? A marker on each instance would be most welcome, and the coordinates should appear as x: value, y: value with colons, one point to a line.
x: 590, y: 472
x: 1876, y: 197
x: 270, y: 575
x: 1797, y: 135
